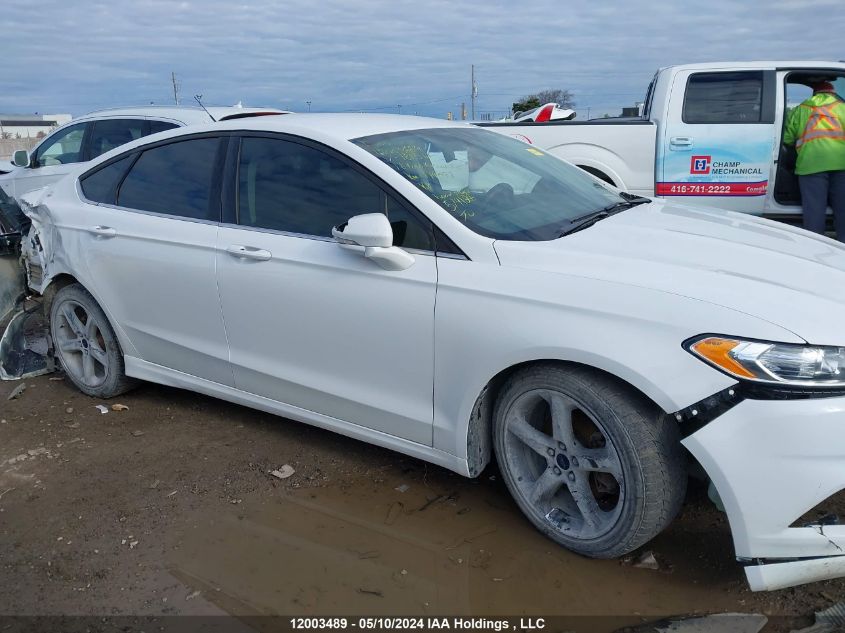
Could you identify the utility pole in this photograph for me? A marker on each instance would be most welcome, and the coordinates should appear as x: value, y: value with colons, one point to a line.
x: 309, y: 105
x: 175, y: 88
x: 399, y: 108
x: 474, y: 91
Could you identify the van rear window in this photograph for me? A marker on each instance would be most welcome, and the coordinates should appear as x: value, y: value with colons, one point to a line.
x: 725, y: 97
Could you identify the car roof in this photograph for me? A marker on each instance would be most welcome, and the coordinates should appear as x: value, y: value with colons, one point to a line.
x: 344, y: 126
x: 797, y: 65
x: 184, y: 114
x: 326, y: 128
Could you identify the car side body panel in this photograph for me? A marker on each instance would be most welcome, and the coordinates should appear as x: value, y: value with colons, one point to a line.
x: 144, y: 370
x: 329, y: 331
x: 514, y: 316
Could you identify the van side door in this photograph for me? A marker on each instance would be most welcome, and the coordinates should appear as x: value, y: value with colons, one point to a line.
x: 718, y: 143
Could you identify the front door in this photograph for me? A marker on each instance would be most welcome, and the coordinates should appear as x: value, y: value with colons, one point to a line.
x: 312, y: 324
x: 718, y: 143
x: 51, y: 160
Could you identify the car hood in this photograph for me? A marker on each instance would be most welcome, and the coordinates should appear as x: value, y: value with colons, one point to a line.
x: 770, y: 270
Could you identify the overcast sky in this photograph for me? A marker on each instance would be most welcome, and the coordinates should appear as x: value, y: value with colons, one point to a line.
x: 77, y: 56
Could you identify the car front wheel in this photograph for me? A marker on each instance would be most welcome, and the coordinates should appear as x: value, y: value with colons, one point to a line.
x: 590, y: 461
x: 86, y: 345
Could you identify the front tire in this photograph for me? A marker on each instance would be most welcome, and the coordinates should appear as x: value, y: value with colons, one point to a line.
x: 591, y: 462
x: 86, y: 345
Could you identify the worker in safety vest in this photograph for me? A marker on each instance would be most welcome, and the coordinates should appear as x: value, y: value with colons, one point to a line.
x: 817, y: 129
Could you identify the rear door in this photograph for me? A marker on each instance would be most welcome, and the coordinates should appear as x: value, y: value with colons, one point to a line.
x: 148, y: 247
x: 718, y: 144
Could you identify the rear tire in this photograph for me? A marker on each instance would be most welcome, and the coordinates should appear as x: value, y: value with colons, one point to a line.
x: 86, y: 345
x: 591, y: 462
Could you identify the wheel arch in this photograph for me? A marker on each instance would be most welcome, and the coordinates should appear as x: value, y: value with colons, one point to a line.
x: 479, y: 435
x: 596, y: 160
x: 598, y: 173
x: 63, y: 279
x: 55, y: 284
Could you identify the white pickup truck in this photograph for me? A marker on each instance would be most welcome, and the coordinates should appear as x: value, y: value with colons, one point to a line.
x: 709, y: 133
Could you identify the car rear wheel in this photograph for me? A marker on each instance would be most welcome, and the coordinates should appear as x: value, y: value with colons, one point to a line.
x: 590, y: 461
x: 86, y: 345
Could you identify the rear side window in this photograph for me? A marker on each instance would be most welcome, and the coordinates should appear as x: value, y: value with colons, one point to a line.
x: 161, y: 126
x: 101, y: 185
x: 735, y: 97
x: 111, y: 133
x: 174, y: 179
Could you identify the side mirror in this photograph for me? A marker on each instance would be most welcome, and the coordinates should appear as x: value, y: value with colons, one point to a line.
x: 20, y: 158
x: 373, y: 232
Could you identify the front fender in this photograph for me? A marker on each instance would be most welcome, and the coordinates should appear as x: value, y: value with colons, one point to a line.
x: 490, y: 318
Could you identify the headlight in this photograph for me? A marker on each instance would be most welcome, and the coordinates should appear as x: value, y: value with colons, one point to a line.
x: 779, y: 363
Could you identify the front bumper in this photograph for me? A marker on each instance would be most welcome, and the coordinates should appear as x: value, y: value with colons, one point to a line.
x: 771, y: 461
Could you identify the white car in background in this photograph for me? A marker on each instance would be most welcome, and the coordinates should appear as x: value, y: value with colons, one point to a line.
x: 348, y: 271
x: 87, y: 137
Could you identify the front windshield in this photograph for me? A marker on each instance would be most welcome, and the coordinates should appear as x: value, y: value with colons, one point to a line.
x: 496, y: 185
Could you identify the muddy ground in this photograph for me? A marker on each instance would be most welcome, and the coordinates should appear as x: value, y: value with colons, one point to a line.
x: 168, y: 508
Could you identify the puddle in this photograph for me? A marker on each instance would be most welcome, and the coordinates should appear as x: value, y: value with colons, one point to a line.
x: 371, y: 550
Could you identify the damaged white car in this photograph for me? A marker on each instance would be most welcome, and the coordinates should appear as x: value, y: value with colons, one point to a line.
x: 460, y: 296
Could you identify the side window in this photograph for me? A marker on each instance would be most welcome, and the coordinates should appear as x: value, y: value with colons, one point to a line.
x: 408, y: 230
x: 62, y: 148
x: 290, y: 187
x: 161, y: 126
x: 175, y: 179
x: 110, y: 133
x: 101, y: 185
x: 730, y: 97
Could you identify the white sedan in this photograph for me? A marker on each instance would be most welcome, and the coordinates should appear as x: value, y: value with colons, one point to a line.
x: 460, y: 296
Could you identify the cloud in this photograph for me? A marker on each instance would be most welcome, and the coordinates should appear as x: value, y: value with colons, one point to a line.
x: 373, y: 54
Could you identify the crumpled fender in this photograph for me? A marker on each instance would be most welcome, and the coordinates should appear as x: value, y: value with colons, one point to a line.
x: 38, y: 247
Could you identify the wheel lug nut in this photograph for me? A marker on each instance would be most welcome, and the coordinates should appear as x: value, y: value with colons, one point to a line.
x: 556, y: 471
x: 571, y: 476
x: 561, y: 446
x: 551, y: 452
x: 574, y: 461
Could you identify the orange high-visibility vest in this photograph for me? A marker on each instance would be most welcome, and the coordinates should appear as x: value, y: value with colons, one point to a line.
x: 822, y: 124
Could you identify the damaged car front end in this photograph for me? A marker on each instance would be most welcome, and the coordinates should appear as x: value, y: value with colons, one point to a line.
x: 773, y: 447
x: 12, y: 224
x: 24, y: 339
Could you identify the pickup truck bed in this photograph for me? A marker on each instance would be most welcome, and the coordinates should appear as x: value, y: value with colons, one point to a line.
x: 619, y: 151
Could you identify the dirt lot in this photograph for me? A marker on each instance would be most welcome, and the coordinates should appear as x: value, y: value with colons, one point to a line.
x: 168, y: 508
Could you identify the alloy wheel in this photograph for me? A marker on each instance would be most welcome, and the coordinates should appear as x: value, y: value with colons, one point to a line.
x: 564, y: 464
x: 79, y: 340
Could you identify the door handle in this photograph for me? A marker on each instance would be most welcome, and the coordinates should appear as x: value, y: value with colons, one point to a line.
x: 680, y: 141
x: 248, y: 252
x: 102, y: 231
